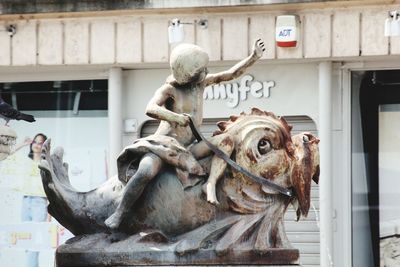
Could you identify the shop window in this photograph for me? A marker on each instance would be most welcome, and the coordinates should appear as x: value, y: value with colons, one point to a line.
x: 74, y: 115
x: 375, y: 168
x: 56, y: 95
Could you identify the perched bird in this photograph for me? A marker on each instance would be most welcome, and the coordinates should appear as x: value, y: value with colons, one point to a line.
x: 8, y: 113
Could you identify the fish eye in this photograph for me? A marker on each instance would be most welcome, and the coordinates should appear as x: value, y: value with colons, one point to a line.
x: 264, y: 146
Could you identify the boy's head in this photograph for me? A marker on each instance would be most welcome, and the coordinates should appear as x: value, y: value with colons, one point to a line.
x: 187, y: 61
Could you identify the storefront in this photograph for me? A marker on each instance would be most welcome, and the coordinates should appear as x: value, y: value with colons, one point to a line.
x: 325, y: 85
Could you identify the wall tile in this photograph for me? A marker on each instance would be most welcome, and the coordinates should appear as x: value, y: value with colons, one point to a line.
x: 102, y: 42
x: 155, y: 40
x: 50, y: 42
x: 234, y: 37
x: 263, y: 26
x: 373, y: 41
x: 210, y: 38
x: 346, y: 33
x: 5, y: 46
x: 317, y: 35
x: 24, y: 44
x: 76, y: 46
x: 129, y: 41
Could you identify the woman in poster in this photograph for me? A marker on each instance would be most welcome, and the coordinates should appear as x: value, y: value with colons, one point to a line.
x: 34, y: 203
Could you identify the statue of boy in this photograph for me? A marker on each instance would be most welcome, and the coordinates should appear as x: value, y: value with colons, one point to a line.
x: 181, y: 94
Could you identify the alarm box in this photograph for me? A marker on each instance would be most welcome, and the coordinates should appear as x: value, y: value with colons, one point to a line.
x: 287, y: 30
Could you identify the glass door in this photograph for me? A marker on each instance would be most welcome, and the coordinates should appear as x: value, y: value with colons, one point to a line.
x: 376, y: 168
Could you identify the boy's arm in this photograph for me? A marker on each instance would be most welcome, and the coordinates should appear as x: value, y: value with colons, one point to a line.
x: 156, y: 107
x: 239, y: 68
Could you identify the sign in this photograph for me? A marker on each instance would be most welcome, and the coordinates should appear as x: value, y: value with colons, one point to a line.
x: 236, y: 92
x: 287, y: 31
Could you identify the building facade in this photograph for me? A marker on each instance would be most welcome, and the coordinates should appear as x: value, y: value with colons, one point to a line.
x: 316, y: 85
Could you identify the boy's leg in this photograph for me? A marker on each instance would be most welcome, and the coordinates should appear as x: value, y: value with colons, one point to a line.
x: 149, y: 167
x: 226, y: 144
x: 200, y: 150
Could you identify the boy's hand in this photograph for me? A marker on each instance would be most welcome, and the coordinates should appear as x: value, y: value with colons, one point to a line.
x: 258, y: 48
x: 183, y: 120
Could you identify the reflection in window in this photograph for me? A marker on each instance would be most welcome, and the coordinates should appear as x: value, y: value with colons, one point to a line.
x: 74, y: 115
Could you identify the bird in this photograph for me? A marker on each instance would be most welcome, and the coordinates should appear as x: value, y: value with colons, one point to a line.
x: 7, y: 112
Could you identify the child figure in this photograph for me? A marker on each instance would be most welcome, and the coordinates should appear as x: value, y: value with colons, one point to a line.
x: 181, y: 94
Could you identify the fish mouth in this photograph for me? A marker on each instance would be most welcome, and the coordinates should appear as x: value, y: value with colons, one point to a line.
x: 252, y: 201
x: 263, y: 198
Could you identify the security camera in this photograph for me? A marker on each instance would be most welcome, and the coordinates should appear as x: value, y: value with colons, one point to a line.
x: 11, y: 30
x: 203, y: 23
x: 175, y: 31
x: 175, y: 22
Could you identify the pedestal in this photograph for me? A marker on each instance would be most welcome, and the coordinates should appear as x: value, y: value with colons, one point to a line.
x: 113, y: 250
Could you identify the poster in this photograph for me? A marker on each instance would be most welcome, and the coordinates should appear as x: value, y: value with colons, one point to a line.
x: 85, y: 144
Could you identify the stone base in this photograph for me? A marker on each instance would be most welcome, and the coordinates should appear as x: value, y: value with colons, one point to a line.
x: 100, y: 250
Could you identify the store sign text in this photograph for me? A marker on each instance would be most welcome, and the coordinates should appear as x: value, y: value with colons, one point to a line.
x: 236, y: 92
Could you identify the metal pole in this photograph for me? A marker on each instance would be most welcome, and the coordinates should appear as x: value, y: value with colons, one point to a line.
x: 325, y: 186
x: 114, y: 118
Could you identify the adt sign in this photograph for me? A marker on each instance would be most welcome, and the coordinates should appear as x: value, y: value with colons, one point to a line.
x: 287, y: 30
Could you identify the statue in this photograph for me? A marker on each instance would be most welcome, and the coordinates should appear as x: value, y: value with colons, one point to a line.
x: 250, y: 171
x: 181, y: 94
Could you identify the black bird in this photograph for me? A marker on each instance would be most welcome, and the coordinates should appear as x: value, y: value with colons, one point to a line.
x: 8, y: 113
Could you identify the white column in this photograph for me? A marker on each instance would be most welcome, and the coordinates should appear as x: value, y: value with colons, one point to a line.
x: 114, y: 118
x: 325, y: 184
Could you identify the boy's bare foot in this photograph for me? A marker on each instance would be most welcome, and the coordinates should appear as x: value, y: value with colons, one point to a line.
x: 114, y: 220
x: 209, y: 190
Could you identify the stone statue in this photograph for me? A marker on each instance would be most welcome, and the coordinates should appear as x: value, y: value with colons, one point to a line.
x: 155, y: 211
x: 180, y: 96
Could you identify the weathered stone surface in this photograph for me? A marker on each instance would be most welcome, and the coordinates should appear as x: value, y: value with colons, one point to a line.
x: 389, y: 251
x: 246, y: 226
x: 123, y: 250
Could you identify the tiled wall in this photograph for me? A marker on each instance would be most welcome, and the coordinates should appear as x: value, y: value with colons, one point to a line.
x: 129, y: 39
